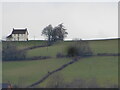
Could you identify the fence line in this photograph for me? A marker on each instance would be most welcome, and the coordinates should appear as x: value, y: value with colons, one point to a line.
x: 52, y: 72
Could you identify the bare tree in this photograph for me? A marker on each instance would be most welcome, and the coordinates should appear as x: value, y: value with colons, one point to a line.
x: 54, y: 34
x: 47, y: 31
x: 59, y: 32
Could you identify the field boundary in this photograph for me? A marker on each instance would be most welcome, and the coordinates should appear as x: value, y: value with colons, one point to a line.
x: 49, y: 57
x: 34, y: 47
x: 52, y: 72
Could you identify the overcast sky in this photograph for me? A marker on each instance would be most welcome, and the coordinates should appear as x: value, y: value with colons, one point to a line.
x: 86, y: 20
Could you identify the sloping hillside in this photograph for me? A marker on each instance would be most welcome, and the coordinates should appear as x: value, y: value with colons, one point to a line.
x: 103, y: 69
x: 100, y: 46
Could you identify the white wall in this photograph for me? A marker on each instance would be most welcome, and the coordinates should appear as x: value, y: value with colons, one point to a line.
x: 22, y: 37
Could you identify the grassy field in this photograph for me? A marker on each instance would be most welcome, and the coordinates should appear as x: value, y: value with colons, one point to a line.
x: 104, y: 46
x: 101, y: 46
x: 24, y: 44
x: 48, y: 51
x: 29, y: 71
x: 103, y: 69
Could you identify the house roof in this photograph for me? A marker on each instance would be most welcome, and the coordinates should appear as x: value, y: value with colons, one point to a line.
x: 10, y: 36
x: 19, y: 31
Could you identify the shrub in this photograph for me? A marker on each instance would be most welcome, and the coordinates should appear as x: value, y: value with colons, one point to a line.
x: 80, y: 48
x: 72, y: 51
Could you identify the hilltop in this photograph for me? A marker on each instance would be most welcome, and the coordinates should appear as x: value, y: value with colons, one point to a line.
x: 100, y: 69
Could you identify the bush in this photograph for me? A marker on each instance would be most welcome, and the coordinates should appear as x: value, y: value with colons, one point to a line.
x: 11, y: 52
x: 72, y: 51
x: 80, y: 48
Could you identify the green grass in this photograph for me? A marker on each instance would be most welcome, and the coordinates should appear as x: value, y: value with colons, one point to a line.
x: 97, y: 46
x: 29, y: 71
x: 25, y: 44
x: 48, y: 51
x: 103, y: 69
x: 100, y: 46
x: 104, y: 46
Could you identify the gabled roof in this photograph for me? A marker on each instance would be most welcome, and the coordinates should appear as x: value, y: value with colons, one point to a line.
x: 10, y: 36
x: 19, y: 31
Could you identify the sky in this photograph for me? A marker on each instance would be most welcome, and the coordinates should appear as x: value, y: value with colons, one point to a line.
x: 85, y: 20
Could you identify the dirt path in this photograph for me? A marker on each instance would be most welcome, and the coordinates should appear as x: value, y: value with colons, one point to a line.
x: 52, y: 72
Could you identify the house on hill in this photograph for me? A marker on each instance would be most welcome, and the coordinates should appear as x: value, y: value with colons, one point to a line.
x: 18, y: 35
